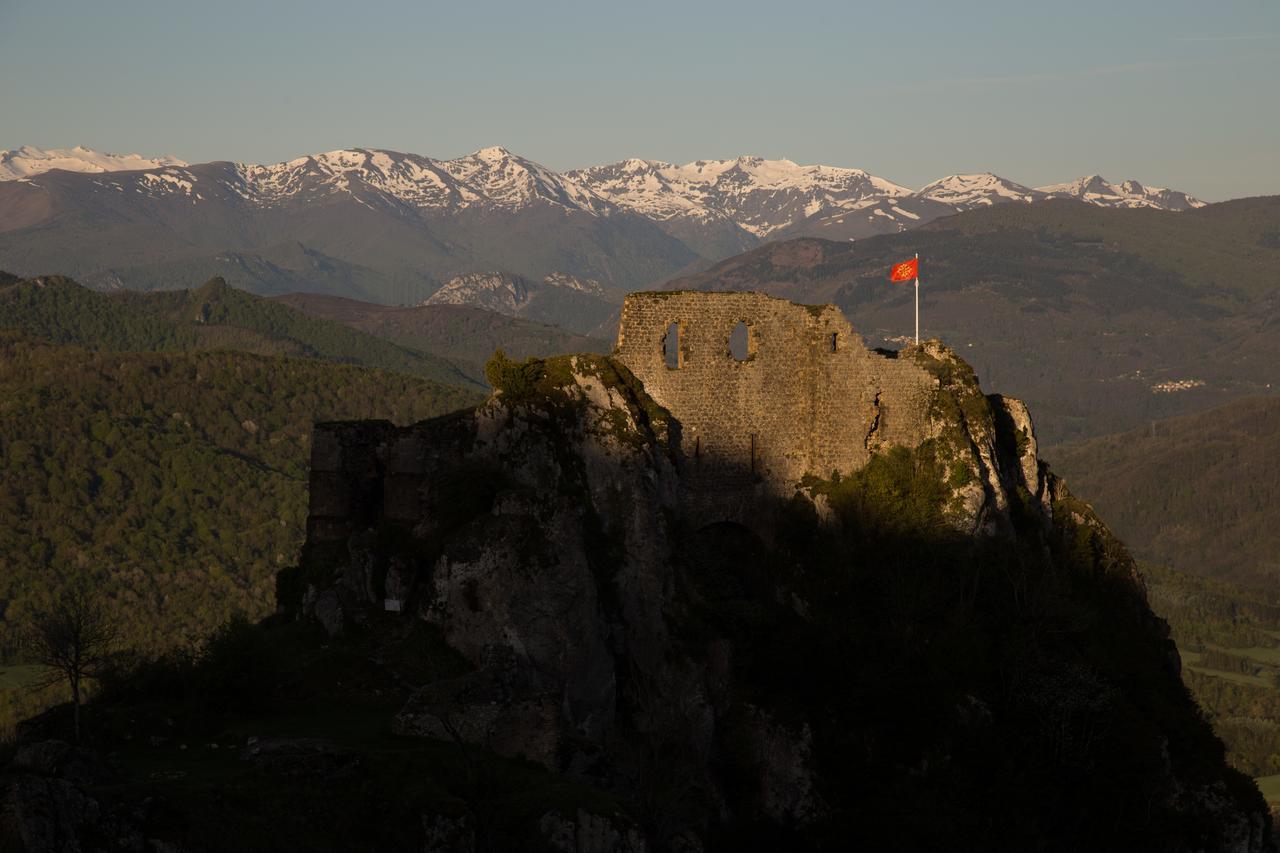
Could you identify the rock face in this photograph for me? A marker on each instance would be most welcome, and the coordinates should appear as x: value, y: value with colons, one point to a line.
x: 812, y: 594
x: 804, y: 398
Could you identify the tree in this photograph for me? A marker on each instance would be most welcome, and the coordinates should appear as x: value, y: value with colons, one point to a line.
x: 73, y: 639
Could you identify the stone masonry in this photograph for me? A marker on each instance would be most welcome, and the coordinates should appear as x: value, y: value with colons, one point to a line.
x: 809, y: 398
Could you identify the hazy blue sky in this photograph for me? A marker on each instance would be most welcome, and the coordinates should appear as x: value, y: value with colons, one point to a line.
x: 1183, y: 94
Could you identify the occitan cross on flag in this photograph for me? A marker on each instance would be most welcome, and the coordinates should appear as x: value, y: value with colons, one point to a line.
x: 907, y: 271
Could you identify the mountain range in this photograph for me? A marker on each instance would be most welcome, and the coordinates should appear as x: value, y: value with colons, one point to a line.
x: 394, y: 228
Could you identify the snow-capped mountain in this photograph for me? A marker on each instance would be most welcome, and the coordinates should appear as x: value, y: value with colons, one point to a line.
x: 892, y: 213
x: 391, y: 227
x: 966, y: 192
x: 491, y: 177
x: 505, y: 178
x: 27, y: 161
x: 703, y: 201
x: 1097, y: 190
x: 760, y: 196
x: 372, y: 224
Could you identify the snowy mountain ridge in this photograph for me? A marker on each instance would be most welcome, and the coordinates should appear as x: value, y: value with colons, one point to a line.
x: 969, y: 191
x: 1096, y: 189
x: 750, y: 197
x: 490, y: 177
x: 760, y: 196
x: 26, y: 161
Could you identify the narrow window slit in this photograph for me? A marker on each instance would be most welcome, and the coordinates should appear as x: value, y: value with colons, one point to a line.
x: 671, y: 346
x: 740, y: 343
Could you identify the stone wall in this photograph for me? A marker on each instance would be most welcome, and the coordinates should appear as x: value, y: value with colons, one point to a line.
x: 809, y: 398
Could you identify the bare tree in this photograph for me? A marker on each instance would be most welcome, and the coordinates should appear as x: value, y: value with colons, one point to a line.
x: 73, y: 639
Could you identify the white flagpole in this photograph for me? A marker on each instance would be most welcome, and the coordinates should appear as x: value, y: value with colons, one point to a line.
x: 917, y: 299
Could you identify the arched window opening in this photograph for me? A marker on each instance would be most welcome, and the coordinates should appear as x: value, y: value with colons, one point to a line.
x: 833, y: 341
x: 671, y: 346
x: 741, y: 345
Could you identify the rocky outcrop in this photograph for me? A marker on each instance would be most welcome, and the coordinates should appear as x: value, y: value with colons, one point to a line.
x: 712, y: 650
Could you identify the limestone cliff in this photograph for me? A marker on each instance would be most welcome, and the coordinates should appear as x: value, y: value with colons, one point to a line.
x: 864, y: 611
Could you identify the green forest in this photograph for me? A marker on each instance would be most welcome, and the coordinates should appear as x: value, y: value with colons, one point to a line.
x: 212, y: 316
x: 1196, y: 492
x: 176, y: 482
x: 156, y: 445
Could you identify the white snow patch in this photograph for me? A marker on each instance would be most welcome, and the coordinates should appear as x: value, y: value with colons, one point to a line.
x: 18, y: 163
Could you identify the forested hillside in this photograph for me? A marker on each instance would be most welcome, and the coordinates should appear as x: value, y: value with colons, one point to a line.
x: 1198, y: 493
x: 212, y: 316
x: 177, y: 481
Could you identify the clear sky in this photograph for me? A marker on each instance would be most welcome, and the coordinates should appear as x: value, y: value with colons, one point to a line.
x: 1181, y: 93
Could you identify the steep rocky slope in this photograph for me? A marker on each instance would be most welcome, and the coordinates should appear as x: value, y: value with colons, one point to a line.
x: 941, y: 646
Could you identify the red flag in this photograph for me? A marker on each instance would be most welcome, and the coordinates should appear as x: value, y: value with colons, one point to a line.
x: 905, y: 271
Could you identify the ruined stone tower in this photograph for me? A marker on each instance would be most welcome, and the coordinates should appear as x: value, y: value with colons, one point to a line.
x: 806, y: 396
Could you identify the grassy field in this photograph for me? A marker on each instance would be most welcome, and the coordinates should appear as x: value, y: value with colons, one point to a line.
x: 1265, y: 659
x: 1262, y: 655
x: 1233, y: 677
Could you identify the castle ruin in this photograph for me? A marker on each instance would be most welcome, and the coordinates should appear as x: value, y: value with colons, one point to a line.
x: 801, y: 395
